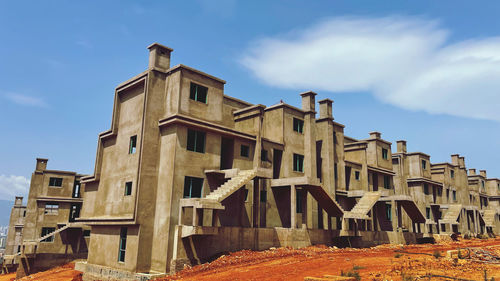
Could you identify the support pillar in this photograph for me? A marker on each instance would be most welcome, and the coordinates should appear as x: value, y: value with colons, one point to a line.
x: 293, y: 210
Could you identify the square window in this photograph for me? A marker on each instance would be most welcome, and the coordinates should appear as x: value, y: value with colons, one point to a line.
x: 196, y: 141
x: 128, y: 188
x: 424, y: 164
x: 198, y: 93
x: 123, y: 244
x: 51, y: 208
x: 133, y: 145
x: 298, y: 125
x: 56, y: 182
x: 245, y: 150
x: 46, y: 231
x: 86, y: 233
x: 192, y: 187
x: 298, y: 163
x: 385, y: 153
x: 357, y: 175
x: 263, y: 155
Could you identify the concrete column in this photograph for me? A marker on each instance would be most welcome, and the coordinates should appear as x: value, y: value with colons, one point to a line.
x: 255, y: 203
x: 394, y: 216
x: 258, y: 144
x: 308, y: 105
x: 215, y: 217
x: 293, y: 211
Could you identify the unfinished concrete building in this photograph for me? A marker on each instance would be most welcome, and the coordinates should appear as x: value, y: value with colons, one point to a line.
x: 14, y: 236
x: 50, y: 235
x: 186, y: 172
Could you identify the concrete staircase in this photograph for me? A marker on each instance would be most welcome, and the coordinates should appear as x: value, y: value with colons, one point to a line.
x: 489, y: 217
x: 232, y: 185
x: 55, y: 232
x: 451, y: 216
x: 364, y: 205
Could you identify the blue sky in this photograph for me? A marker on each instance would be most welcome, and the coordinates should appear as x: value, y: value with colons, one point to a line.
x: 424, y: 71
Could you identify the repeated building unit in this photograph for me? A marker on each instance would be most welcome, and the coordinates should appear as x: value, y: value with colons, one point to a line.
x: 186, y: 172
x: 14, y: 239
x: 49, y: 235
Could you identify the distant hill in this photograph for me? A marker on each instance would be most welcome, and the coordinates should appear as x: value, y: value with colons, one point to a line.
x: 5, y: 208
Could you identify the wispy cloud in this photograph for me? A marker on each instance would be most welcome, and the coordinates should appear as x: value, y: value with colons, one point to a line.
x: 10, y: 186
x: 26, y: 100
x: 407, y: 62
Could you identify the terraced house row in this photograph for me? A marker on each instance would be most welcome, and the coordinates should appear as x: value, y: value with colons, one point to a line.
x: 186, y: 172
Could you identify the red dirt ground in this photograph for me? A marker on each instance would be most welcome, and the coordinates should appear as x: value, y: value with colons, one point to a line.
x: 383, y: 262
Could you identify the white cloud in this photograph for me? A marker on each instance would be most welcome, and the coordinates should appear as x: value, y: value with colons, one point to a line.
x: 407, y: 62
x: 26, y: 100
x: 11, y: 186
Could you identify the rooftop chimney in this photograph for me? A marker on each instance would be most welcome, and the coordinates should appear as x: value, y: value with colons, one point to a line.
x: 325, y: 109
x: 454, y: 159
x: 159, y: 57
x: 308, y: 101
x: 482, y: 173
x: 461, y: 162
x: 401, y: 146
x: 41, y: 164
x: 19, y: 201
x: 375, y: 135
x: 472, y: 172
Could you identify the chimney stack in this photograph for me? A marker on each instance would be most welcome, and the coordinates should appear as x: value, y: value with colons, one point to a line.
x: 401, y: 146
x: 41, y: 164
x: 472, y: 172
x: 482, y: 173
x: 375, y: 135
x: 308, y: 101
x: 454, y: 159
x: 19, y: 201
x: 159, y: 57
x: 461, y: 162
x: 325, y: 109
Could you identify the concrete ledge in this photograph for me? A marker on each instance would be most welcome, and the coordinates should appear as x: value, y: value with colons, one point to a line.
x: 93, y: 272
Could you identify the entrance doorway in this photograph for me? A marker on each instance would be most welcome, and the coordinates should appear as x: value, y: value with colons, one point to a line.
x: 226, y: 153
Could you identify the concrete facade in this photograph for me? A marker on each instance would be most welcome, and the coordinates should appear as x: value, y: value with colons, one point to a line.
x: 186, y: 173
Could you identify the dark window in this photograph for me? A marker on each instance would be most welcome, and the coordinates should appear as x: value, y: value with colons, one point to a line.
x: 335, y: 171
x: 133, y: 145
x: 424, y: 164
x: 334, y: 138
x: 198, y: 93
x: 447, y: 193
x: 385, y: 153
x: 75, y: 212
x: 19, y: 248
x: 24, y: 213
x: 196, y: 141
x: 192, y: 187
x: 51, y: 208
x: 388, y: 209
x: 128, y: 188
x: 298, y: 125
x: 298, y: 200
x: 454, y: 195
x: 428, y: 213
x: 440, y: 191
x: 86, y: 233
x: 426, y: 189
x: 245, y: 151
x: 298, y: 162
x: 482, y: 184
x: 387, y: 182
x: 263, y: 196
x: 76, y: 189
x: 452, y: 173
x: 53, y: 181
x: 263, y: 155
x: 48, y: 230
x: 245, y: 194
x: 356, y: 175
x: 123, y: 244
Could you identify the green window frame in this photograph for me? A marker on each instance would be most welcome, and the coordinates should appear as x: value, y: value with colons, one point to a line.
x: 385, y: 153
x: 298, y: 201
x: 357, y: 175
x: 123, y: 244
x: 245, y: 150
x: 132, y: 148
x: 298, y: 125
x: 128, y: 188
x: 198, y: 93
x: 45, y: 231
x: 298, y: 163
x: 388, y: 209
x: 193, y: 187
x: 55, y: 181
x: 387, y: 182
x: 196, y: 141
